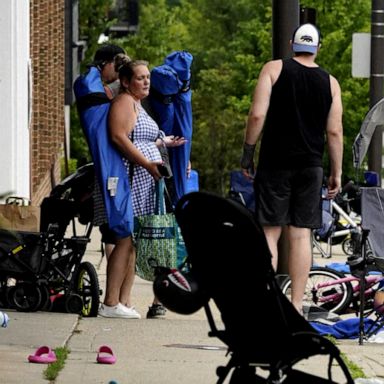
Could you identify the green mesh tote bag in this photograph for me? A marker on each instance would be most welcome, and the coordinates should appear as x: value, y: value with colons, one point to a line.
x: 158, y: 239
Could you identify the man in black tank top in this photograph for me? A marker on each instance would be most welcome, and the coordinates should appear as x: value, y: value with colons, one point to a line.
x: 296, y: 109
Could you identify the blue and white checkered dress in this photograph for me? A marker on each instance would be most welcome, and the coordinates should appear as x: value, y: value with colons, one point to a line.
x: 145, y: 134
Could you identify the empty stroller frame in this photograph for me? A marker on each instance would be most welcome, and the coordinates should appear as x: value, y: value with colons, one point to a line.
x: 47, y: 265
x: 332, y: 231
x: 234, y: 268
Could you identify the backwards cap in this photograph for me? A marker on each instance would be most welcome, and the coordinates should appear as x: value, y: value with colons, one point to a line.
x: 306, y: 38
x: 107, y: 53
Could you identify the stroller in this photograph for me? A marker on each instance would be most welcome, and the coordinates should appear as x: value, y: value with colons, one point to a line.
x: 340, y: 225
x: 44, y: 270
x: 234, y: 269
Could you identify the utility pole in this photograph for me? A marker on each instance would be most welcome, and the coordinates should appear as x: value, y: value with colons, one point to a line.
x: 376, y: 81
x: 285, y: 19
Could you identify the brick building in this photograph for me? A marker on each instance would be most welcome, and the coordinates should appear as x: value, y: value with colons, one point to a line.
x: 47, y: 123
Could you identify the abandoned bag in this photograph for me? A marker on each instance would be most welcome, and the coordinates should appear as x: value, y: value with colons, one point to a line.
x: 19, y: 217
x: 158, y: 239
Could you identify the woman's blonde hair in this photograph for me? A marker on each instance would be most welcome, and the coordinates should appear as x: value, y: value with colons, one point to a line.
x: 120, y: 60
x: 125, y: 66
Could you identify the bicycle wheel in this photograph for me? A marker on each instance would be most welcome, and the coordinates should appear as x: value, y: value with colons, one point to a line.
x: 324, y: 290
x: 87, y: 286
x: 348, y: 246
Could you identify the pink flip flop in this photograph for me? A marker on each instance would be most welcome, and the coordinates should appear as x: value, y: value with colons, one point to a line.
x: 43, y: 355
x: 105, y: 355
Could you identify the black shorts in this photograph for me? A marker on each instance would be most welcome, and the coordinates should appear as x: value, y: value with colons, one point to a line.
x: 289, y: 197
x: 107, y: 235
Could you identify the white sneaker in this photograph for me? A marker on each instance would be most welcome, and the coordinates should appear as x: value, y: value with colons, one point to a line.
x: 133, y: 314
x: 118, y: 311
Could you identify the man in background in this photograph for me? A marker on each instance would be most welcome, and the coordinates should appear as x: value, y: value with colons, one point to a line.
x: 295, y: 105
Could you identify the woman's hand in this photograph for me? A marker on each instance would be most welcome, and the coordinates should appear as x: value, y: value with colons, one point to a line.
x: 174, y: 141
x: 153, y: 168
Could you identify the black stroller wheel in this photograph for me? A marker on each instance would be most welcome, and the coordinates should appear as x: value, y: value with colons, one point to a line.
x: 74, y: 303
x: 26, y: 297
x: 87, y: 286
x: 4, y: 303
x: 9, y: 297
x: 46, y: 303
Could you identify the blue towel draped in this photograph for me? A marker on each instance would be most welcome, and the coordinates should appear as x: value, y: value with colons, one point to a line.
x: 93, y: 106
x: 171, y: 102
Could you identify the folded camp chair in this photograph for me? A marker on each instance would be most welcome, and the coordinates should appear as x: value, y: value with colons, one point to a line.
x: 241, y: 189
x: 229, y: 256
x: 372, y: 216
x: 372, y: 252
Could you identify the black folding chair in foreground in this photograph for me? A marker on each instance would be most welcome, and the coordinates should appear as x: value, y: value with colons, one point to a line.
x: 230, y: 263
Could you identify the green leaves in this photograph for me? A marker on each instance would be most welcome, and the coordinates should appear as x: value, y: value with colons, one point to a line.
x: 230, y: 42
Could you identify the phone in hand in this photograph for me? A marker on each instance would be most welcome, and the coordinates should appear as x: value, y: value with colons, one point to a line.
x: 164, y: 171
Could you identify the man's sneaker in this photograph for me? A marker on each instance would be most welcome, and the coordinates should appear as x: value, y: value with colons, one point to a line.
x: 155, y: 310
x: 119, y: 311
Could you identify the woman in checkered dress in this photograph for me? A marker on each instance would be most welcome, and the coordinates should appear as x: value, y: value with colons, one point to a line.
x: 144, y: 136
x: 136, y: 134
x: 138, y: 138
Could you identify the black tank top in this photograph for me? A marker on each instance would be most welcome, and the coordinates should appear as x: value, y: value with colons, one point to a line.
x: 294, y: 130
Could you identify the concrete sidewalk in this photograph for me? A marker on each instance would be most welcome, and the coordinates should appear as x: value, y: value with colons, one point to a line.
x: 175, y: 349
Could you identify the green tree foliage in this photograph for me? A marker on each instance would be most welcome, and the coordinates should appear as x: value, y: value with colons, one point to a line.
x: 93, y: 20
x: 225, y: 68
x: 161, y: 31
x: 338, y: 20
x: 230, y: 42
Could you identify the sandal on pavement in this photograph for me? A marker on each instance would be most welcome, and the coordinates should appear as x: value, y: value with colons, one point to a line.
x: 43, y: 355
x: 105, y: 355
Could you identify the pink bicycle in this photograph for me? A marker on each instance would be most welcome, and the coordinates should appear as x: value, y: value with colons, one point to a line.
x: 336, y: 292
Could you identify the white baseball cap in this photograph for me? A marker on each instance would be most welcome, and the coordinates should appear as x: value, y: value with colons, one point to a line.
x: 306, y: 39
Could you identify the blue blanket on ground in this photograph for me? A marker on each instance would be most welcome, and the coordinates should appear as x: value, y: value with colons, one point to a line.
x: 343, y: 329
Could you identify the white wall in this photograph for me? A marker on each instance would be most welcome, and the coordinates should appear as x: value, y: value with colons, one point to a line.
x: 14, y: 98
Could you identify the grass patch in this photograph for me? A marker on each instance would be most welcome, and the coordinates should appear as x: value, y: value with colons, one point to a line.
x: 354, y: 369
x: 53, y: 369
